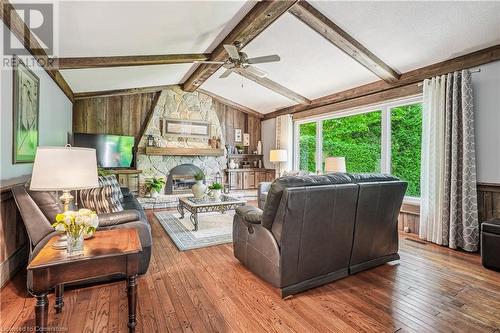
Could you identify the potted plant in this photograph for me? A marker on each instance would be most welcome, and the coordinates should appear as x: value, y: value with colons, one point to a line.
x: 199, y: 188
x: 154, y: 185
x: 239, y: 148
x: 76, y: 224
x: 215, y: 191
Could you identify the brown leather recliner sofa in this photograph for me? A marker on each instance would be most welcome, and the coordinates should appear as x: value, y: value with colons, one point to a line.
x: 317, y: 229
x: 38, y: 210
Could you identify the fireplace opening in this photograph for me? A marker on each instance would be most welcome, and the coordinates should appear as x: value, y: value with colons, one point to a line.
x: 181, y: 178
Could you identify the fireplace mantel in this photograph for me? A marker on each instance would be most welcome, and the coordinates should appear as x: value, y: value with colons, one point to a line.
x: 171, y: 151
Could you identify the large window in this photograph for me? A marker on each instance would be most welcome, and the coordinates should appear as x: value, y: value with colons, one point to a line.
x: 406, y: 141
x: 307, y: 147
x: 357, y: 138
x: 386, y: 138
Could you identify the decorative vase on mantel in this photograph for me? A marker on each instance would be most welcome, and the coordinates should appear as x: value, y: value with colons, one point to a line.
x: 199, y: 189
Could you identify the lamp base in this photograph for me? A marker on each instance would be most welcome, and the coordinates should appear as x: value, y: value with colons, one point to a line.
x: 66, y: 199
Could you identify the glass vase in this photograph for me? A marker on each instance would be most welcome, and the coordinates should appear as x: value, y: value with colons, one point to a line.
x: 75, y: 245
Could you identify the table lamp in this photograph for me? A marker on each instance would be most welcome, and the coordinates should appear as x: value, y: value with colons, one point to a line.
x: 335, y: 164
x: 64, y: 169
x: 278, y: 156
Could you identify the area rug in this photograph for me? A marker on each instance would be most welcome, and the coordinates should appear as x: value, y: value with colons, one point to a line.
x: 213, y: 229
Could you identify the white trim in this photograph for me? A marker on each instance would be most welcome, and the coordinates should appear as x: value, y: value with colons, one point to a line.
x: 385, y: 151
x: 319, y: 147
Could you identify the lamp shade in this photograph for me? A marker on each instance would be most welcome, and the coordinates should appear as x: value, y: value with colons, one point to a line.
x: 335, y: 164
x: 278, y: 155
x: 64, y: 168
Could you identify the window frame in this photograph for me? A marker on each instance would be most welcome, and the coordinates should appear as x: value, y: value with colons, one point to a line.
x: 386, y: 156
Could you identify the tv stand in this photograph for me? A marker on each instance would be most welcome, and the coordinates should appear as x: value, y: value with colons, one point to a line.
x: 128, y: 178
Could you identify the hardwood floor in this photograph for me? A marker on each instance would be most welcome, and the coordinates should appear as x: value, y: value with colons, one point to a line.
x: 431, y: 289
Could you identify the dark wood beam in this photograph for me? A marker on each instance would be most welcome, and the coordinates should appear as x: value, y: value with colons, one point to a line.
x: 16, y: 25
x: 119, y: 92
x: 121, y: 61
x: 473, y: 59
x: 232, y: 104
x: 257, y: 19
x: 386, y: 95
x: 271, y: 85
x: 338, y: 37
x: 146, y: 121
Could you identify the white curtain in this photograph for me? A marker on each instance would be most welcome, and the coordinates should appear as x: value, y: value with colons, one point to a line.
x: 431, y: 175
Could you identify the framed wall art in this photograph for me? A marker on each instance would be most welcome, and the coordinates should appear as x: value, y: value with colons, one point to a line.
x: 237, y: 135
x: 187, y: 128
x: 246, y: 139
x: 26, y: 104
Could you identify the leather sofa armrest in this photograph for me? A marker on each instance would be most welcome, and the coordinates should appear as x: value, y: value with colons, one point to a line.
x: 125, y: 216
x: 125, y: 191
x: 250, y: 214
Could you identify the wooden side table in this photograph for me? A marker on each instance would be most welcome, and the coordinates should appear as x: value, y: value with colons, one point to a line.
x: 107, y: 253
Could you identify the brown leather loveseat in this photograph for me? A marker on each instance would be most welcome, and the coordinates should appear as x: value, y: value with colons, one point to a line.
x: 317, y: 229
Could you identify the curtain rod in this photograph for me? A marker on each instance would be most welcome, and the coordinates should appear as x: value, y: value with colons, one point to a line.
x: 472, y: 71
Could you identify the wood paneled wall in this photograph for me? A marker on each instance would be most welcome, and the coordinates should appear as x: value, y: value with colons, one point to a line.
x: 13, y: 238
x: 231, y: 118
x: 488, y: 201
x: 409, y: 218
x: 124, y: 115
x: 119, y: 115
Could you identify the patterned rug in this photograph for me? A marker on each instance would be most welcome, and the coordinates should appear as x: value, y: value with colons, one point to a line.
x: 213, y: 229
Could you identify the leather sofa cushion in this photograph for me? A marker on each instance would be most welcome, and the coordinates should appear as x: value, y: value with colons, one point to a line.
x: 491, y: 226
x: 276, y: 191
x: 48, y: 203
x: 370, y: 177
x: 118, y: 217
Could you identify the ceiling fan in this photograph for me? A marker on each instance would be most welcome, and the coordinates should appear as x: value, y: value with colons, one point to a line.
x: 240, y: 61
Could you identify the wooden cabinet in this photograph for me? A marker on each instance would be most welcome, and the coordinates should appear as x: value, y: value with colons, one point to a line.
x: 248, y: 179
x: 128, y: 178
x: 270, y: 175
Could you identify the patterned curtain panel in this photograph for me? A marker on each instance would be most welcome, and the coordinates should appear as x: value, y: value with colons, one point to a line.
x: 460, y: 217
x: 448, y: 210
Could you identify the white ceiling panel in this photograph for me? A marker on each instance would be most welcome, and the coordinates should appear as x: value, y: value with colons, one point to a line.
x: 118, y: 28
x: 96, y: 79
x: 310, y: 65
x: 409, y: 35
x: 245, y: 92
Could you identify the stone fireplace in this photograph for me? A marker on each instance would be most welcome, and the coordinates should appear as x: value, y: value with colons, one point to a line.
x: 177, y: 104
x: 181, y: 178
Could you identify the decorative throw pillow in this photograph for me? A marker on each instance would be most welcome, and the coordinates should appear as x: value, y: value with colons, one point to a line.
x: 113, y: 182
x: 101, y: 200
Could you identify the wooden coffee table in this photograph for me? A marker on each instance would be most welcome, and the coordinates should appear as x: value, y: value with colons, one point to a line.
x: 205, y: 205
x: 107, y: 253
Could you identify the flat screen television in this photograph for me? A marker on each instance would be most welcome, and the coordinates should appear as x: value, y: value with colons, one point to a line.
x: 113, y: 151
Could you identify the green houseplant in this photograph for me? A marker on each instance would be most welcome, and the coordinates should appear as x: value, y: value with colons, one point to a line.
x: 154, y: 185
x: 199, y: 188
x: 215, y: 191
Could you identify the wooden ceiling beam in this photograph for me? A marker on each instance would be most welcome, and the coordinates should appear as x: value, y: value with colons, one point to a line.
x: 274, y: 86
x: 122, y: 61
x: 17, y: 26
x: 232, y: 104
x: 341, y: 39
x: 473, y: 59
x: 258, y: 18
x: 120, y: 92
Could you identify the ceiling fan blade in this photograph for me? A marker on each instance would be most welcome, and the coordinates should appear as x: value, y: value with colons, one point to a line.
x: 232, y: 51
x: 209, y: 62
x: 264, y: 59
x: 226, y: 74
x: 256, y: 71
